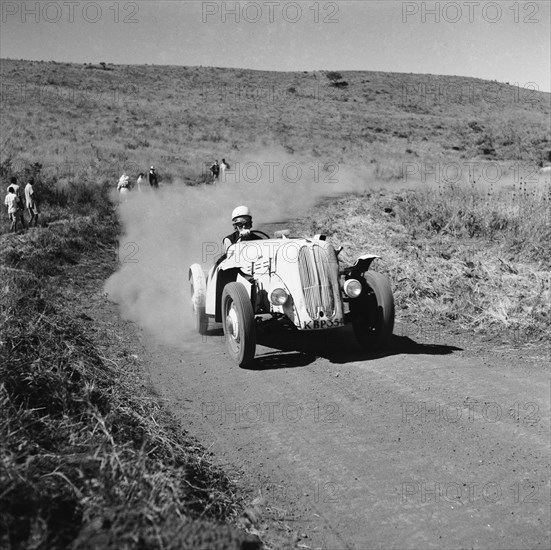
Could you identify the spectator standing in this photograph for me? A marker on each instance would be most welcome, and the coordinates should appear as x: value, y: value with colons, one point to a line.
x: 19, y: 200
x: 215, y: 169
x: 140, y: 181
x: 223, y: 167
x: 30, y: 199
x: 153, y: 179
x: 11, y: 202
x: 123, y: 187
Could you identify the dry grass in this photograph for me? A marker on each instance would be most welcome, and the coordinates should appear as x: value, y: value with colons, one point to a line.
x: 90, y: 125
x: 455, y: 256
x: 89, y: 459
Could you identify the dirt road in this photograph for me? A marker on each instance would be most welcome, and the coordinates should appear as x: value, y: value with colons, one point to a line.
x: 428, y: 446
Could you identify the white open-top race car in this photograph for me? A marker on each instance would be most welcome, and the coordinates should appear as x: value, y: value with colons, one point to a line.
x: 298, y: 280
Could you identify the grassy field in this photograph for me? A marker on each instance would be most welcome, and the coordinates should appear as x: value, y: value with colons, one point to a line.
x: 88, y: 459
x: 85, y: 123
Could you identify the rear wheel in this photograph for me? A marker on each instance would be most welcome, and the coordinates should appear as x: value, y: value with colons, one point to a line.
x: 239, y: 324
x: 373, y: 312
x: 198, y: 288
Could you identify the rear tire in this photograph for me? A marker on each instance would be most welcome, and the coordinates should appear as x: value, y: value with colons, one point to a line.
x: 239, y: 324
x: 373, y: 312
x: 198, y: 288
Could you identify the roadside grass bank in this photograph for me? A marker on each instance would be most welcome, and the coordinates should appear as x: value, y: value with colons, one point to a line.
x: 456, y: 256
x: 60, y: 202
x: 89, y: 459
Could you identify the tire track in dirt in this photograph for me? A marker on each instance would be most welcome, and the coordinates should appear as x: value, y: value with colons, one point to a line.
x: 358, y: 465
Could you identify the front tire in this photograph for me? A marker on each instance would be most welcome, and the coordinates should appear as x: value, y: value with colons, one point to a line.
x: 239, y: 324
x: 373, y: 312
x: 198, y: 288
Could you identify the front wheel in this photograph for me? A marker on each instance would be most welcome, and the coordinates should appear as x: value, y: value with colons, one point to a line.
x: 373, y: 312
x: 239, y: 324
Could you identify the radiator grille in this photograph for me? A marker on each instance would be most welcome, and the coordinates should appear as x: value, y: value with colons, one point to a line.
x: 319, y: 279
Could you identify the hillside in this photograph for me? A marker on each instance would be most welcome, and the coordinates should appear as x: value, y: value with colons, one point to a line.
x: 92, y: 121
x: 465, y: 261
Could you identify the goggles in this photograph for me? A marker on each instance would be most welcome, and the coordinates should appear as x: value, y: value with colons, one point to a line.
x: 243, y: 225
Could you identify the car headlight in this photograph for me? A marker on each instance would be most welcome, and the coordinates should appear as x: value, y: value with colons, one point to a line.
x: 278, y: 297
x: 352, y: 288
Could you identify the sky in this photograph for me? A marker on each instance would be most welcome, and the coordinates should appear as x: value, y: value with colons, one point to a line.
x: 507, y: 41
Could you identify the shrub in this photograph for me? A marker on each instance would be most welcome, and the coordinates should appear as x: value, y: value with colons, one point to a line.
x: 333, y: 76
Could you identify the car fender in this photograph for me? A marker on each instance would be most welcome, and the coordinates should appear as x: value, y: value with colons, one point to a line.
x: 222, y: 279
x: 210, y: 302
x: 361, y: 265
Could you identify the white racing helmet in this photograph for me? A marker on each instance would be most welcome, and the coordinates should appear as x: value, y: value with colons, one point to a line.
x: 240, y: 211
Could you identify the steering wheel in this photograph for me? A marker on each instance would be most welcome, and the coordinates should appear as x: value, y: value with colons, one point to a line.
x: 260, y: 233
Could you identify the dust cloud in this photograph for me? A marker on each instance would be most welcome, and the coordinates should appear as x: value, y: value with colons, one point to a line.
x: 164, y: 232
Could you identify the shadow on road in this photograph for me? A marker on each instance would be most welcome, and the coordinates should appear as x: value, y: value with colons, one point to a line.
x: 338, y: 346
x: 282, y: 360
x: 292, y: 348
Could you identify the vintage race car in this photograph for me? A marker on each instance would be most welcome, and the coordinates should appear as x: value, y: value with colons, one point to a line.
x: 297, y: 280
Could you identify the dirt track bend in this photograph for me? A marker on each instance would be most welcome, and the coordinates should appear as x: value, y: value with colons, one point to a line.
x: 430, y: 446
x: 442, y: 442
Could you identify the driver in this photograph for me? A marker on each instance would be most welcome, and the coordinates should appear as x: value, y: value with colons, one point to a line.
x: 242, y: 223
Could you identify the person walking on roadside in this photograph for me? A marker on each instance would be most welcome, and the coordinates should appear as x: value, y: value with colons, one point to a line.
x: 19, y: 200
x: 30, y: 200
x: 11, y: 202
x: 153, y: 179
x: 140, y: 181
x: 123, y: 187
x: 215, y: 169
x: 223, y: 167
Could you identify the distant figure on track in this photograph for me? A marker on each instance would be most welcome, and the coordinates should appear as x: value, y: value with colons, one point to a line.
x: 30, y: 199
x: 153, y: 179
x: 215, y: 169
